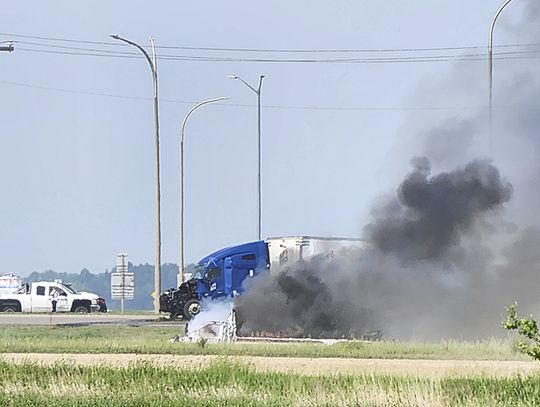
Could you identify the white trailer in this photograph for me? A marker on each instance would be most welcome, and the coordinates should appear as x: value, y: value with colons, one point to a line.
x: 9, y: 283
x: 285, y: 251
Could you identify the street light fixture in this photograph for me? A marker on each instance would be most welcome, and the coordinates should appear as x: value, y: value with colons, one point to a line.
x: 490, y: 57
x: 258, y: 93
x: 153, y: 67
x: 180, y: 278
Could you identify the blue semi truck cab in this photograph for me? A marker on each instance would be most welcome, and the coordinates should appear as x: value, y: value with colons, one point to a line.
x: 218, y: 275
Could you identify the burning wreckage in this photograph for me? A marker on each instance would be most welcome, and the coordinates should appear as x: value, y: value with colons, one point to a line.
x: 427, y: 258
x: 225, y: 274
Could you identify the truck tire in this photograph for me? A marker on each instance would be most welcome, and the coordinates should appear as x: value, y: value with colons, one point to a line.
x: 10, y: 308
x: 81, y: 309
x: 191, y: 308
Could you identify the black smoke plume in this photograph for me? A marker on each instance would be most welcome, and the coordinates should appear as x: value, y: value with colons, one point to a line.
x: 414, y: 249
x: 429, y: 215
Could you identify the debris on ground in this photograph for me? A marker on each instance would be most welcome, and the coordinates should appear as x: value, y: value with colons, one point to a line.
x: 219, y: 329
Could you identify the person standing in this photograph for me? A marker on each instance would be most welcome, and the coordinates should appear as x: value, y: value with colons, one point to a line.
x: 54, y: 298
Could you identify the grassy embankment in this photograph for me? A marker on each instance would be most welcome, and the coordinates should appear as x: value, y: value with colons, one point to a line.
x: 226, y: 383
x: 154, y: 340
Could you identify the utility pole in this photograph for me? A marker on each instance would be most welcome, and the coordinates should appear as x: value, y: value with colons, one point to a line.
x: 123, y: 271
x: 7, y: 48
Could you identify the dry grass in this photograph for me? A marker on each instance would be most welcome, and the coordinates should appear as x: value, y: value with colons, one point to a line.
x: 227, y: 383
x: 305, y: 366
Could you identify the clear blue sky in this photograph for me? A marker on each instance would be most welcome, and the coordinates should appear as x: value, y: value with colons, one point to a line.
x: 76, y: 170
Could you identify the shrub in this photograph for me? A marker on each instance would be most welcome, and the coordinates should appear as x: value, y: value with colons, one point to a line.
x: 527, y: 328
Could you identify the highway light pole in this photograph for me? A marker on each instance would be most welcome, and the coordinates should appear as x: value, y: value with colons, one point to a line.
x: 490, y: 58
x: 153, y: 67
x: 258, y: 93
x: 180, y: 278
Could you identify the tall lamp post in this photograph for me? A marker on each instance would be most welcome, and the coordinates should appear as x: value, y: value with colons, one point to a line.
x: 490, y: 58
x: 153, y: 67
x: 258, y: 93
x: 180, y: 278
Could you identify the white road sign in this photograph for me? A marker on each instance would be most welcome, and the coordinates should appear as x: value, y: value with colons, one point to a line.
x: 122, y: 282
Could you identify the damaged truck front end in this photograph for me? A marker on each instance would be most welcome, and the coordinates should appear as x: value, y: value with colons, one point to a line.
x: 180, y: 302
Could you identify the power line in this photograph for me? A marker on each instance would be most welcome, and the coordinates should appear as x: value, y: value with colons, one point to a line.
x: 350, y: 50
x: 76, y: 48
x: 59, y: 39
x: 276, y: 50
x: 100, y: 52
x: 115, y: 55
x: 79, y: 92
x: 280, y: 107
x: 514, y: 55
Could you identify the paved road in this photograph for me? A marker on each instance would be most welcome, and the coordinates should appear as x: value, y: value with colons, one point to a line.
x: 82, y: 319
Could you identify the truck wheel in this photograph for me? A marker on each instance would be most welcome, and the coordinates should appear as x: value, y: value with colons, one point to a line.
x: 81, y: 309
x: 10, y: 308
x: 191, y: 308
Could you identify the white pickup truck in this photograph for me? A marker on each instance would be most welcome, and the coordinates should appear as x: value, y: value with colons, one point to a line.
x: 37, y: 296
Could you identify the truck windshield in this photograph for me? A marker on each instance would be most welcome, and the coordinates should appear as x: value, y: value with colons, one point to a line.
x: 198, y: 272
x: 69, y: 289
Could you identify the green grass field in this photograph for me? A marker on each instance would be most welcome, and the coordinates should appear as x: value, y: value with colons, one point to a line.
x: 230, y: 384
x: 154, y: 340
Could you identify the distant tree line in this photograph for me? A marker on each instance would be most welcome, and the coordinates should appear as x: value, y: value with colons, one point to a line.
x: 101, y: 283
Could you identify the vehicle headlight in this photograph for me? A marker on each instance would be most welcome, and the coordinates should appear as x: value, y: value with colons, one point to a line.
x: 94, y: 301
